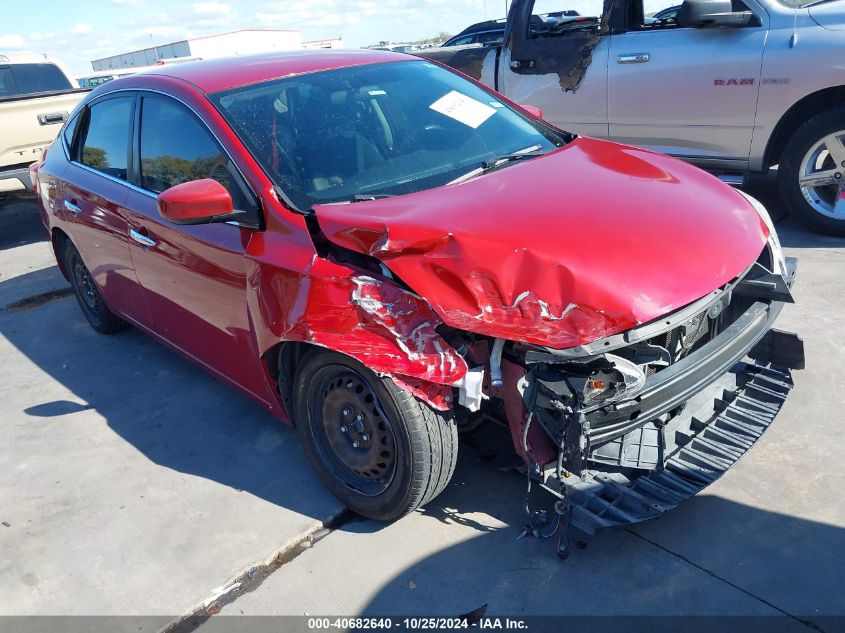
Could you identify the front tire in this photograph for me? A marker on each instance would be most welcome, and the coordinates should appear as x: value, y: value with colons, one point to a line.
x: 812, y: 172
x: 379, y: 450
x: 88, y: 295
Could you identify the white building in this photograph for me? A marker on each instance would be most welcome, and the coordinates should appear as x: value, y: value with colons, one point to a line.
x: 243, y: 42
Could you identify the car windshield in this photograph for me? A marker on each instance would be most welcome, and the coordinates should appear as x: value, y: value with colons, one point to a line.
x: 374, y: 130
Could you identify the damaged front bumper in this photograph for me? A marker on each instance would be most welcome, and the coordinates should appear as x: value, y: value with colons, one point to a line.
x: 632, y: 460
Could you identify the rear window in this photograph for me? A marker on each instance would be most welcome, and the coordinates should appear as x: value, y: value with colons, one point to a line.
x: 24, y: 79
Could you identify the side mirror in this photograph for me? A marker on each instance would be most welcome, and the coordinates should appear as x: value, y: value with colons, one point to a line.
x: 712, y: 13
x: 532, y: 110
x: 195, y: 202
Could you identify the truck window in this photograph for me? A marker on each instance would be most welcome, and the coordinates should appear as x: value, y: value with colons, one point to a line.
x: 106, y: 143
x: 649, y: 15
x: 656, y: 14
x: 555, y: 18
x: 25, y: 79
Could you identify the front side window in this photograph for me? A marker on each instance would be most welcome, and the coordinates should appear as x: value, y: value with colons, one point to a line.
x: 553, y: 18
x: 491, y: 37
x: 105, y: 145
x: 463, y: 41
x: 177, y: 148
x: 658, y: 13
x: 379, y: 129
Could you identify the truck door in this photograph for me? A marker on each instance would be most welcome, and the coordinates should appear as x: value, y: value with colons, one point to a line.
x: 689, y: 92
x: 555, y: 58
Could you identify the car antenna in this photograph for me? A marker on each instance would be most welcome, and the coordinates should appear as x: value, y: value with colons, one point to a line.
x: 793, y: 40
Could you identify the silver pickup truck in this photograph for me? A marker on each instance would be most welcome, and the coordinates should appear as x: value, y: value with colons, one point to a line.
x: 734, y: 86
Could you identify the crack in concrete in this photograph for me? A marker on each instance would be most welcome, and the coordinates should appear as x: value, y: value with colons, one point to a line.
x: 254, y: 576
x: 713, y: 574
x: 36, y: 301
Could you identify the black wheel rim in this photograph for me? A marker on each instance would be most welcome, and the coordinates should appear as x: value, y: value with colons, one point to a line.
x: 353, y: 435
x: 83, y: 286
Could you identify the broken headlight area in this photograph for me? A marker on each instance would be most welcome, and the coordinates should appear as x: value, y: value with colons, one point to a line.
x: 621, y: 436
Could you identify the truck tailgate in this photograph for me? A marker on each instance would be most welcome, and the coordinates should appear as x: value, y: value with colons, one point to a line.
x: 28, y: 124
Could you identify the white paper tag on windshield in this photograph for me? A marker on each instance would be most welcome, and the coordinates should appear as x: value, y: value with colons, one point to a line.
x: 464, y: 109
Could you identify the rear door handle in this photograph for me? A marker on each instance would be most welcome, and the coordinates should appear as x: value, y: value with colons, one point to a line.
x: 633, y: 58
x: 141, y: 238
x: 71, y: 206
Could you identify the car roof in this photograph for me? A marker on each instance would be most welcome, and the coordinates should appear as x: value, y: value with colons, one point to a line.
x: 215, y: 75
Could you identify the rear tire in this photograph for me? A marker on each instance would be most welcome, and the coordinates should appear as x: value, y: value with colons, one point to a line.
x: 88, y: 295
x: 811, y: 160
x: 379, y: 450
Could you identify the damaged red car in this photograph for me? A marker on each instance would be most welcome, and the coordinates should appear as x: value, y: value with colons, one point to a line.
x: 381, y: 251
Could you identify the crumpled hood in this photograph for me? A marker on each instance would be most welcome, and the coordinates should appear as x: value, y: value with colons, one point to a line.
x: 585, y: 242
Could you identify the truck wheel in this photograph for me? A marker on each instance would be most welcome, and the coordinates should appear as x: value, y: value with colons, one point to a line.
x: 88, y: 295
x: 812, y: 172
x: 379, y: 450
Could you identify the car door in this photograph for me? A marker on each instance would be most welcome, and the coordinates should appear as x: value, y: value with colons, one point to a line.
x: 689, y: 92
x: 194, y: 277
x: 92, y: 200
x: 558, y: 63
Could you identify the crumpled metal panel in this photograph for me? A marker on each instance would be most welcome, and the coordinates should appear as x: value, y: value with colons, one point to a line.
x: 301, y: 297
x: 588, y: 241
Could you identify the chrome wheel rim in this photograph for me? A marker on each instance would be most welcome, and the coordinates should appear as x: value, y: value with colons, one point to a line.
x: 821, y: 175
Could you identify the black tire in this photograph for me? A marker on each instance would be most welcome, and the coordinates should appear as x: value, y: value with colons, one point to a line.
x: 411, y: 448
x: 800, y: 144
x: 88, y: 295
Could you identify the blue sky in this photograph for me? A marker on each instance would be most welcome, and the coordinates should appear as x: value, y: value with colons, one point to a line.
x: 77, y: 31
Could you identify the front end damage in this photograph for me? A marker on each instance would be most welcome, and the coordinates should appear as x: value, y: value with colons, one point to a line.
x: 625, y: 428
x: 629, y: 378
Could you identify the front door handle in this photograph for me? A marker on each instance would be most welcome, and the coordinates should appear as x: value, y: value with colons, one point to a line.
x: 71, y: 206
x: 633, y: 58
x: 141, y: 238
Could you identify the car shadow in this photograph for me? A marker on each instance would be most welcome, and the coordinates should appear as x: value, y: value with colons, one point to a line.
x: 167, y: 408
x: 711, y: 556
x: 20, y: 223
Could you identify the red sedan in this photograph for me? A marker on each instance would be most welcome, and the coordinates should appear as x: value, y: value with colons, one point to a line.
x: 381, y: 251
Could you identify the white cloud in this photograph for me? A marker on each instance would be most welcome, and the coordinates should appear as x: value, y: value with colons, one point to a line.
x: 213, y: 8
x: 80, y: 29
x: 12, y: 41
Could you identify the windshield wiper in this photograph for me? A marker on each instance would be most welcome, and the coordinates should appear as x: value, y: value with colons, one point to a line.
x: 504, y: 159
x: 531, y: 152
x: 365, y: 197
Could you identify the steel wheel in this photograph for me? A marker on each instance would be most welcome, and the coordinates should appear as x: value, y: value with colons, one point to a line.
x: 83, y: 286
x: 820, y: 175
x: 379, y: 450
x: 87, y: 294
x: 358, y: 440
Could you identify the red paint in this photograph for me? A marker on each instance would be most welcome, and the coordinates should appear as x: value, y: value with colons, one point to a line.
x: 230, y: 72
x: 561, y: 250
x: 532, y: 110
x: 558, y: 250
x: 194, y: 201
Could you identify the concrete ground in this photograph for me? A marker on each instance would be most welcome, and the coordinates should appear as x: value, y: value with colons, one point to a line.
x: 130, y: 481
x: 134, y: 483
